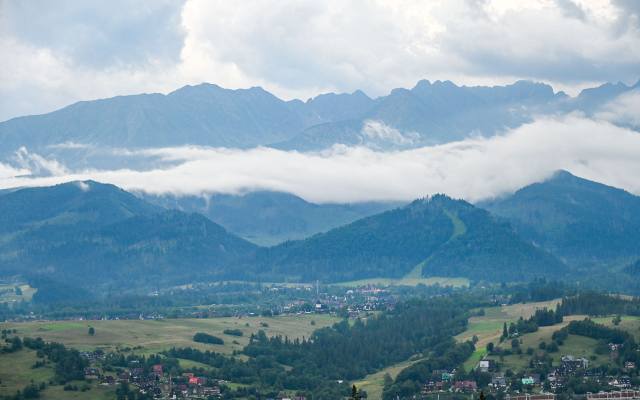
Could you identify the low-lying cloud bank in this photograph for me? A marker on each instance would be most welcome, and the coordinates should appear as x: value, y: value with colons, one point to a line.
x: 473, y: 169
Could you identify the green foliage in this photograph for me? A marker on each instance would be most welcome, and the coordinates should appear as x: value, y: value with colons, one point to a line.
x: 576, y: 218
x: 599, y: 304
x: 202, y: 337
x: 392, y: 243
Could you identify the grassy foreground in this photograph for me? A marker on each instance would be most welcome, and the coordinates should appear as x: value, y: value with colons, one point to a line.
x: 156, y: 335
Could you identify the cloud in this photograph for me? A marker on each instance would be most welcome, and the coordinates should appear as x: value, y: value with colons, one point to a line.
x: 378, y: 134
x: 57, y: 53
x: 623, y: 110
x: 38, y: 165
x: 474, y: 169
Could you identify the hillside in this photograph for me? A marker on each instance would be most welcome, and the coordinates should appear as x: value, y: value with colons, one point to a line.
x: 577, y: 219
x: 448, y: 237
x: 437, y: 112
x: 90, y: 234
x: 268, y: 218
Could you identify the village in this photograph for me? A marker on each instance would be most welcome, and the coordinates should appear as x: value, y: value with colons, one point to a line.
x: 533, y: 386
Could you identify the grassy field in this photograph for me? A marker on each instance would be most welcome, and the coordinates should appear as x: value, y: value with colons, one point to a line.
x: 373, y: 384
x: 156, y: 335
x: 578, y: 346
x: 8, y: 293
x: 629, y: 323
x: 409, y: 280
x: 488, y: 328
x: 16, y: 373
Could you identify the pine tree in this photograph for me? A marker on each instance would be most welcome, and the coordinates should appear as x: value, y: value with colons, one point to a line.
x: 505, y: 333
x: 354, y: 393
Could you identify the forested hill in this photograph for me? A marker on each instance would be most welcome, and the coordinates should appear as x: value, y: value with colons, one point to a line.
x: 445, y: 237
x: 94, y: 235
x: 91, y: 234
x: 577, y: 219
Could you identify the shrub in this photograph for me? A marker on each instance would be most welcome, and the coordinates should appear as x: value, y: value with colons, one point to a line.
x: 202, y: 337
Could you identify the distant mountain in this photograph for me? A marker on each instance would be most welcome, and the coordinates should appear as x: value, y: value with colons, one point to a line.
x: 97, y: 235
x: 439, y: 236
x: 591, y: 99
x: 577, y: 219
x: 208, y: 115
x: 437, y: 112
x: 78, y: 205
x: 200, y: 115
x: 268, y: 218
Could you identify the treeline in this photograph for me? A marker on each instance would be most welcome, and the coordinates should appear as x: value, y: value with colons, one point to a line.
x: 539, y: 290
x: 338, y: 352
x: 627, y: 348
x: 599, y: 304
x: 69, y: 365
x: 541, y: 317
x: 596, y: 331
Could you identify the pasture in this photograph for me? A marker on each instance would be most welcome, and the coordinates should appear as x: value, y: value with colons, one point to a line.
x: 16, y: 372
x: 150, y: 336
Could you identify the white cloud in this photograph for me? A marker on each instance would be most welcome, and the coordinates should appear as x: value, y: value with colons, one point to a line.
x: 473, y: 169
x: 624, y: 110
x: 57, y: 53
x: 376, y: 133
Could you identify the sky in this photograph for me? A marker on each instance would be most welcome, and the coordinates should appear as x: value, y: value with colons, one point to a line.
x: 57, y: 53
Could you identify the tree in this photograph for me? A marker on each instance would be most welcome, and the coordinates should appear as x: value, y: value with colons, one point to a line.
x: 388, y: 380
x: 505, y: 333
x: 490, y: 347
x: 92, y: 331
x: 354, y: 393
x: 616, y: 320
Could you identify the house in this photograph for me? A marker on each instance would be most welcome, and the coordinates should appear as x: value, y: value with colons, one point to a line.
x: 157, y: 369
x: 447, y: 377
x: 531, y: 397
x: 465, y: 386
x: 484, y: 365
x: 499, y: 382
x: 623, y: 382
x: 571, y: 364
x: 630, y: 365
x: 528, y: 381
x: 91, y: 373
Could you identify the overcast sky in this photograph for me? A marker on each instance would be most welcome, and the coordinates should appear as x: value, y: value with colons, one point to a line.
x: 58, y: 52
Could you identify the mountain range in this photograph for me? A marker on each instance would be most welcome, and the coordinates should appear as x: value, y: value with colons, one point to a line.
x: 208, y: 115
x: 98, y: 236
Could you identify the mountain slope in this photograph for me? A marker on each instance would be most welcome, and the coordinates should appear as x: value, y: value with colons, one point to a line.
x: 450, y: 237
x: 87, y: 204
x: 200, y: 115
x: 97, y: 235
x: 580, y: 220
x: 208, y: 115
x: 269, y: 218
x: 437, y: 112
